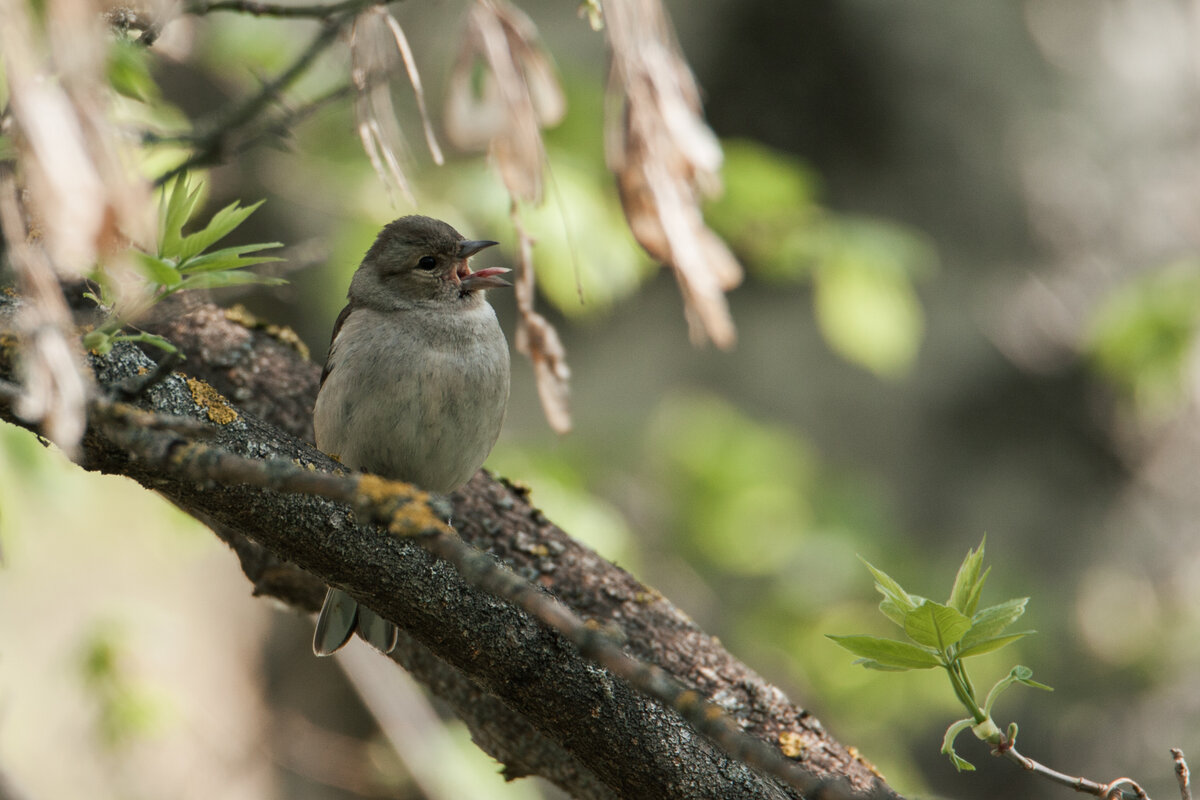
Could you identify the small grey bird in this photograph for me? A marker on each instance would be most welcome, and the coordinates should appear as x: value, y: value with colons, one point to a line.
x: 416, y: 382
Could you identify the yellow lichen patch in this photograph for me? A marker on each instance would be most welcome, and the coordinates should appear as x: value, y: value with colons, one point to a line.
x: 408, y: 506
x: 686, y: 700
x: 208, y: 398
x: 792, y: 744
x: 280, y: 333
x: 857, y: 756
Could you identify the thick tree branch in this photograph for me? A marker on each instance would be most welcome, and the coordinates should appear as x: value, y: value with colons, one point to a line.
x: 588, y: 731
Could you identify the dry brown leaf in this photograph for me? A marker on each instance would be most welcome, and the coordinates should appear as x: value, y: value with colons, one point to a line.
x: 503, y: 90
x: 375, y: 43
x: 665, y: 158
x: 517, y: 95
x: 73, y: 162
x: 539, y: 341
x: 53, y: 379
x: 79, y: 202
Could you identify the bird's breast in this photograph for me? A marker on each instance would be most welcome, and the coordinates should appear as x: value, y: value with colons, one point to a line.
x: 415, y: 396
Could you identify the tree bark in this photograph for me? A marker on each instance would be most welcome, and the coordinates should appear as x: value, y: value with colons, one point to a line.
x: 530, y: 699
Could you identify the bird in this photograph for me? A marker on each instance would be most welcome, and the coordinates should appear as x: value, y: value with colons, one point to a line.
x: 416, y: 383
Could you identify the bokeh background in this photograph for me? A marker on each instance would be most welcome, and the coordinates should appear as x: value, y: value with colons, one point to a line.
x: 970, y: 232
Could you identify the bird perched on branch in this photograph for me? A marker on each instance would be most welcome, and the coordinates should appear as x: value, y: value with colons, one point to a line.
x: 416, y: 381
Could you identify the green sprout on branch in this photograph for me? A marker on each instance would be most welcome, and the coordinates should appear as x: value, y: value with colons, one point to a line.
x: 945, y: 635
x: 180, y: 262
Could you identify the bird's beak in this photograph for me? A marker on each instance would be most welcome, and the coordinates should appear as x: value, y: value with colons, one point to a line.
x: 469, y: 247
x: 489, y: 278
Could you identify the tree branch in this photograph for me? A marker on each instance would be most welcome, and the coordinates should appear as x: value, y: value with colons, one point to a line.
x: 596, y: 736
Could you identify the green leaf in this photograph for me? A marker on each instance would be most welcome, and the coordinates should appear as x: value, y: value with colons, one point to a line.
x: 871, y: 663
x: 176, y: 207
x: 158, y: 270
x: 966, y: 580
x: 149, y: 338
x: 1142, y: 336
x: 866, y: 305
x: 221, y: 225
x: 978, y: 648
x: 218, y: 280
x: 892, y: 592
x: 229, y: 258
x: 892, y: 611
x: 888, y: 652
x: 98, y: 341
x: 1018, y: 674
x: 935, y: 625
x: 129, y: 72
x: 960, y: 764
x: 990, y: 622
x: 972, y: 602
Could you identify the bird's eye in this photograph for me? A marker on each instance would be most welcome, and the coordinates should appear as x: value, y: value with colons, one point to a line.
x: 427, y: 263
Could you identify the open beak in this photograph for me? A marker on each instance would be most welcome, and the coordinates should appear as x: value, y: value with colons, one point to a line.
x: 489, y: 278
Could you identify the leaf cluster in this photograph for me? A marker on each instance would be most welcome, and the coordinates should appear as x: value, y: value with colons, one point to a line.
x: 944, y: 635
x: 180, y: 262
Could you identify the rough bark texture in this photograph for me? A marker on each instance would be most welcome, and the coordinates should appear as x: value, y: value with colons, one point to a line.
x: 529, y: 698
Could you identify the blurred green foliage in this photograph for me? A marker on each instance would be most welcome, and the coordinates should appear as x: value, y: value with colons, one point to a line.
x: 180, y: 262
x: 129, y: 70
x: 1142, y: 338
x: 862, y: 270
x: 126, y: 708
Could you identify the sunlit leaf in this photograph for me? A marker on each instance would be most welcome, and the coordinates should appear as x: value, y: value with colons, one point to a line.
x: 897, y: 603
x: 158, y: 270
x: 888, y: 652
x: 993, y: 620
x: 981, y: 646
x: 221, y: 225
x: 935, y: 625
x: 229, y: 258
x: 177, y: 205
x: 218, y: 280
x: 965, y: 582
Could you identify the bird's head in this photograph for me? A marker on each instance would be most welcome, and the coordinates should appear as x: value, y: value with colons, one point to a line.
x: 422, y: 262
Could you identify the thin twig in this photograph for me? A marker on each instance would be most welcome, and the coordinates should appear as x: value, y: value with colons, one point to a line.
x: 1078, y: 784
x: 1182, y: 773
x: 318, y: 11
x: 211, y: 144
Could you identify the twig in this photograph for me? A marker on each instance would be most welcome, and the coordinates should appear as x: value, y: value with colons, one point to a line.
x: 1182, y: 773
x: 411, y: 513
x: 210, y: 145
x: 1083, y: 785
x: 318, y: 11
x: 133, y: 389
